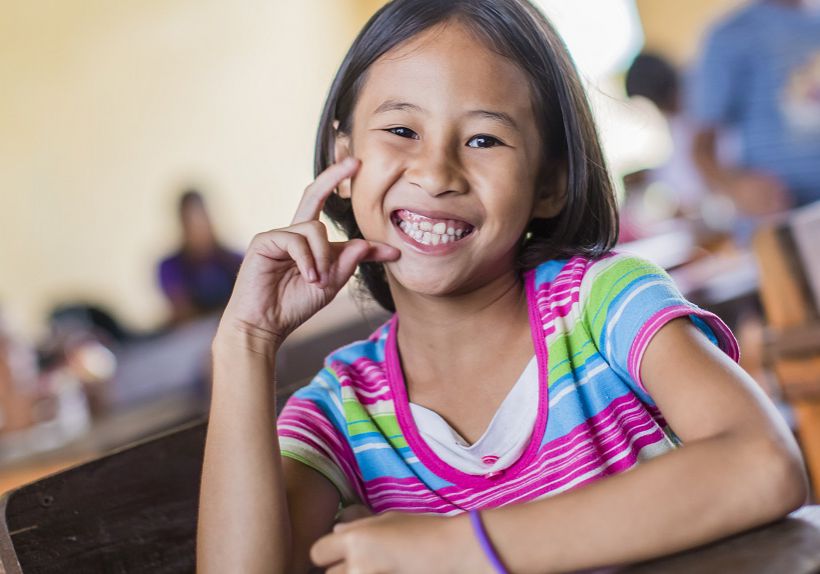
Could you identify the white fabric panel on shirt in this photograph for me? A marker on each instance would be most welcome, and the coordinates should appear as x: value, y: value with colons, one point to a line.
x: 502, y: 443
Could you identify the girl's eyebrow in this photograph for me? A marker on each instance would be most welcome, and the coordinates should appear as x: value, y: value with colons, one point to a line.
x: 395, y: 105
x: 500, y: 117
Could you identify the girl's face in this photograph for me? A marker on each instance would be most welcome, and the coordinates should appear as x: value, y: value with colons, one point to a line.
x: 450, y: 151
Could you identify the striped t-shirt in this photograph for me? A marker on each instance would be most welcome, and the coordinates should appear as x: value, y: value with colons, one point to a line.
x: 591, y: 322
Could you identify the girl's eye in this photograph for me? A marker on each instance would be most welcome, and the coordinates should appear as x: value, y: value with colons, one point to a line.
x: 483, y: 142
x: 403, y: 132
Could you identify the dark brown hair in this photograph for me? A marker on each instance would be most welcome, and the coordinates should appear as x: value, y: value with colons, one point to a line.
x: 588, y: 222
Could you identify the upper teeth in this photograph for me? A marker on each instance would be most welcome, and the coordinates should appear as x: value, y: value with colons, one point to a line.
x: 429, y: 234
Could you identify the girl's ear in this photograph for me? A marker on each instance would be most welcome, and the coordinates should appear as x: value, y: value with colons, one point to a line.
x: 552, y: 197
x: 341, y: 151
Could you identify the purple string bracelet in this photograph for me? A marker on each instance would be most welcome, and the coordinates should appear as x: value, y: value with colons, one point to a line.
x: 484, y: 541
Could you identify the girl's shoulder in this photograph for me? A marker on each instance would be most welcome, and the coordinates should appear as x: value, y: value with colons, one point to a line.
x: 368, y: 350
x: 351, y: 365
x: 589, y: 274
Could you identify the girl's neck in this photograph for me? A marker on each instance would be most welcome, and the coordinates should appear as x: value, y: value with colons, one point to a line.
x: 439, y: 336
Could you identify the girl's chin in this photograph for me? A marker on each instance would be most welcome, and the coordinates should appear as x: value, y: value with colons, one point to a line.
x: 427, y: 279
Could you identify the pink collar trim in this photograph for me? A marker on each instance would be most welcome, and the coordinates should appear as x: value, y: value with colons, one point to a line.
x: 428, y: 458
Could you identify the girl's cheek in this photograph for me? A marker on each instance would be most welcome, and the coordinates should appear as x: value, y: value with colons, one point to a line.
x: 383, y: 146
x: 380, y: 171
x: 384, y: 156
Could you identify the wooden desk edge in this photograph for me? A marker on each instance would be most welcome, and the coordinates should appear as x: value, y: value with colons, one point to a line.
x: 8, y: 557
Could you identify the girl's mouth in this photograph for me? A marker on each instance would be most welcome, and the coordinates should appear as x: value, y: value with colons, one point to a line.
x: 430, y: 232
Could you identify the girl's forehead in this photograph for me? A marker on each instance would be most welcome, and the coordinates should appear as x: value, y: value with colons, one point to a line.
x: 447, y: 61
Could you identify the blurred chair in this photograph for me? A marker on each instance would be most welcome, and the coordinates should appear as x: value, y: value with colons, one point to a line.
x: 793, y: 330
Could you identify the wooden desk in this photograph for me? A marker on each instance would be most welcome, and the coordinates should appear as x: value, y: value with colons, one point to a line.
x: 791, y: 546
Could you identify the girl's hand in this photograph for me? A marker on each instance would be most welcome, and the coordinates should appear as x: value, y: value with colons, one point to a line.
x: 289, y: 274
x: 400, y: 543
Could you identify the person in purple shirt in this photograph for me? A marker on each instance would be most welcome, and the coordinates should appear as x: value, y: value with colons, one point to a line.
x: 199, y: 277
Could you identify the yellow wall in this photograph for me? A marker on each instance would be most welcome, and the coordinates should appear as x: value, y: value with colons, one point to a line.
x: 366, y: 8
x: 107, y: 108
x: 675, y: 27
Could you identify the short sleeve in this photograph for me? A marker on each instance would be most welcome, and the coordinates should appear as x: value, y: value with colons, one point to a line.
x: 308, y: 428
x: 718, y: 82
x: 625, y: 302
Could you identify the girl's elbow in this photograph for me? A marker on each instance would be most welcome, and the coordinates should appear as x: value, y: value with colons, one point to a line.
x: 796, y: 490
x: 784, y: 477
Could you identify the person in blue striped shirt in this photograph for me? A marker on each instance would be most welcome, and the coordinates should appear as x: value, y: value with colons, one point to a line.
x: 759, y: 76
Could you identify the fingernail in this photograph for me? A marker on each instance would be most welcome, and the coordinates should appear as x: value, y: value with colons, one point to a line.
x: 311, y: 276
x: 350, y: 161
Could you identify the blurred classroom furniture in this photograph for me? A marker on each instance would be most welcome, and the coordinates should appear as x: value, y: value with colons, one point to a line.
x: 135, y: 510
x: 723, y: 281
x: 162, y: 382
x: 789, y: 261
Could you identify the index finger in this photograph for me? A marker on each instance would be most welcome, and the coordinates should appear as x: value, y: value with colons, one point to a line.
x: 317, y: 192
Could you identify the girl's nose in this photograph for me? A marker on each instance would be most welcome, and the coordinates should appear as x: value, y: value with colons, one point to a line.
x: 437, y: 169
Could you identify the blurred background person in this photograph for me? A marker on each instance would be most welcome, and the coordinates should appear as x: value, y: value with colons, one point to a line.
x: 670, y: 193
x: 198, y: 278
x: 671, y: 188
x: 759, y: 74
x: 655, y: 78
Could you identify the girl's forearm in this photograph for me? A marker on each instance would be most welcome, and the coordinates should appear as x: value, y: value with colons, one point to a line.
x: 243, y: 516
x: 702, y: 492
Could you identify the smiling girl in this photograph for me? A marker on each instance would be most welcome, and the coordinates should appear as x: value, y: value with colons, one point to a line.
x: 490, y: 424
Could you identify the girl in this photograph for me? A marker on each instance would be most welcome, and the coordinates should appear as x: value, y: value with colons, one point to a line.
x: 490, y: 423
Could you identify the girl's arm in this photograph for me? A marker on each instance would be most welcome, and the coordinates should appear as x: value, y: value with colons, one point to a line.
x: 740, y: 468
x: 253, y: 503
x: 258, y: 513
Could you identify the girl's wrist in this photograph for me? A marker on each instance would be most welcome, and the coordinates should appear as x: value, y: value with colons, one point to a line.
x: 488, y: 548
x: 238, y: 337
x: 471, y: 556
